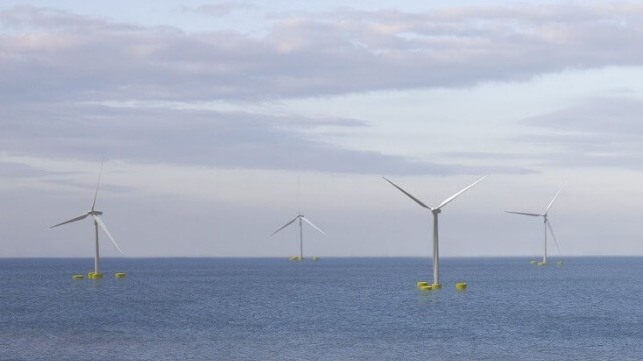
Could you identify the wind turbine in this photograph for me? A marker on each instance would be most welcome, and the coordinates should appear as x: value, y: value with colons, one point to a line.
x: 436, y: 211
x: 97, y: 223
x: 547, y: 226
x: 300, y: 217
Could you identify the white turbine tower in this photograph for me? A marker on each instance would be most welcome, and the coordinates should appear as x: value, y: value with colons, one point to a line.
x: 547, y: 226
x: 436, y: 211
x: 97, y: 223
x: 301, y: 219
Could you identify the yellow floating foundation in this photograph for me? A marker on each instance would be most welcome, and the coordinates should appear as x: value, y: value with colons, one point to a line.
x: 315, y: 258
x: 541, y: 263
x: 94, y: 276
x: 425, y: 288
x: 295, y: 258
x: 559, y: 263
x: 461, y: 286
x: 120, y: 275
x: 421, y: 284
x: 533, y: 262
x: 77, y: 277
x: 436, y: 286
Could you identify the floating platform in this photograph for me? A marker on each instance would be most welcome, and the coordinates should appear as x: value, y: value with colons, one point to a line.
x: 425, y: 286
x: 541, y: 264
x: 295, y: 258
x: 315, y: 258
x: 461, y: 286
x: 77, y: 277
x: 120, y: 275
x: 94, y: 276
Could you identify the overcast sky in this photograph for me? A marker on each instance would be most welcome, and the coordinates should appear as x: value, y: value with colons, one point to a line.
x: 218, y: 121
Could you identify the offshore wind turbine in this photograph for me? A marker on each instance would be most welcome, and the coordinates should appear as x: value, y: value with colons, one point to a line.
x: 435, y: 211
x: 547, y: 225
x: 300, y: 217
x: 98, y: 222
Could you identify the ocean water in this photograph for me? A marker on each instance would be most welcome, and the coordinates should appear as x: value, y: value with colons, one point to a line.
x: 333, y: 309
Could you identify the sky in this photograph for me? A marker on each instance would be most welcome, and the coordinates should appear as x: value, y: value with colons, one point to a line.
x: 218, y: 121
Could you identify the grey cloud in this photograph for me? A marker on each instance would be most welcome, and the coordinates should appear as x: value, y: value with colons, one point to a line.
x: 600, y: 132
x: 219, y: 139
x: 619, y: 118
x: 88, y: 188
x: 17, y: 170
x: 68, y: 56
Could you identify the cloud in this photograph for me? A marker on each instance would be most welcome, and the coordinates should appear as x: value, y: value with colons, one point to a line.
x: 612, y: 119
x: 602, y: 132
x: 10, y: 170
x: 196, y: 137
x: 54, y: 55
x: 58, y: 67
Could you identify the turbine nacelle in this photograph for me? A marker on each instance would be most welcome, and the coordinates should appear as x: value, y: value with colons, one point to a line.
x: 95, y: 213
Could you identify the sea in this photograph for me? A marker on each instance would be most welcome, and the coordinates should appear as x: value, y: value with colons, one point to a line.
x: 330, y: 309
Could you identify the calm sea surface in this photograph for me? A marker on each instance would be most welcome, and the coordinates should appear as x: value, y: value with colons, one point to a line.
x: 333, y: 309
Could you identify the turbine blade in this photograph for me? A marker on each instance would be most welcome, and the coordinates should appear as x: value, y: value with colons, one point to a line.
x: 311, y: 223
x: 285, y: 225
x: 460, y: 192
x: 525, y: 214
x: 553, y: 200
x: 408, y: 194
x: 109, y: 235
x: 82, y: 216
x: 551, y: 230
x: 100, y: 173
